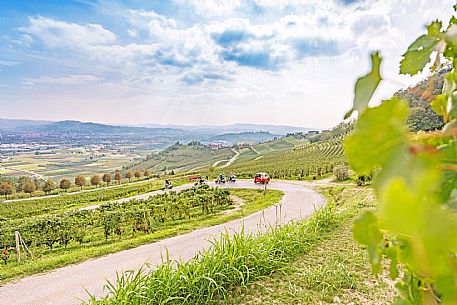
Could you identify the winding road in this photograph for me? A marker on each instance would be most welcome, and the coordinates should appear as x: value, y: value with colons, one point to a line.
x: 68, y: 285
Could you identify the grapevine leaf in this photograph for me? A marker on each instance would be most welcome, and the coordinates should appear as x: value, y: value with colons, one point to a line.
x: 439, y: 104
x: 366, y: 86
x: 418, y: 54
x: 380, y: 135
x: 366, y: 232
x: 392, y: 253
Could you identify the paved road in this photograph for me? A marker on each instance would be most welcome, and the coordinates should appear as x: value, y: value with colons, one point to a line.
x: 67, y: 285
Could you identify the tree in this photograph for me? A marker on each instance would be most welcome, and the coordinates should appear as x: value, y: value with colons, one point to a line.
x: 80, y: 181
x: 128, y: 175
x: 95, y: 180
x: 29, y: 187
x: 7, y: 188
x: 146, y: 173
x: 22, y: 182
x: 107, y: 179
x: 65, y: 184
x: 118, y: 177
x: 49, y: 186
x: 137, y: 174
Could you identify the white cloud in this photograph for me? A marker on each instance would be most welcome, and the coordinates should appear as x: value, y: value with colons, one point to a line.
x: 293, y: 61
x: 60, y: 34
x: 66, y: 80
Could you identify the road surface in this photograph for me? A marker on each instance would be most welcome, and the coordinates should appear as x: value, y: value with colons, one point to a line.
x: 67, y: 285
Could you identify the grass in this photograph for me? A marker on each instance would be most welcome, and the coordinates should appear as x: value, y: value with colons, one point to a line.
x: 255, y: 200
x: 307, y: 262
x: 336, y: 271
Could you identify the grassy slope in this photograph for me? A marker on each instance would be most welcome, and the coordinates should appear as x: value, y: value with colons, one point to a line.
x: 255, y: 200
x: 336, y: 271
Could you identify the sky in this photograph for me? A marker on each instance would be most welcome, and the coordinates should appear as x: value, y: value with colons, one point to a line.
x: 283, y: 62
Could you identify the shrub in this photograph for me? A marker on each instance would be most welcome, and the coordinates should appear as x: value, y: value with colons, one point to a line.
x: 341, y: 172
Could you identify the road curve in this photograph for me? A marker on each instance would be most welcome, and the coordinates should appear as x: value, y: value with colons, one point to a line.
x: 68, y: 285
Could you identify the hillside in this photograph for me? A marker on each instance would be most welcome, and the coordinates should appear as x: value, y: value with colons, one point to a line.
x: 196, y: 157
x: 183, y: 158
x: 419, y: 97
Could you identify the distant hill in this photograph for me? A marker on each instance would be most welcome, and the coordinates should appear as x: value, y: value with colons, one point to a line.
x: 235, y: 128
x: 244, y: 137
x: 13, y: 124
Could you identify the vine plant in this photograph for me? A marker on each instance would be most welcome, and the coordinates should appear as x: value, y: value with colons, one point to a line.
x: 416, y: 181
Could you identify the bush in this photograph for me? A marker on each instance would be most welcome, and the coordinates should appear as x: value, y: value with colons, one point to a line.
x: 361, y: 180
x: 341, y: 172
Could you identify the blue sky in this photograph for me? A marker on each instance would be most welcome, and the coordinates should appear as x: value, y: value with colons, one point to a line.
x: 200, y: 61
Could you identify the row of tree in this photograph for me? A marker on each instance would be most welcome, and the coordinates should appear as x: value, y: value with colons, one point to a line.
x: 26, y: 185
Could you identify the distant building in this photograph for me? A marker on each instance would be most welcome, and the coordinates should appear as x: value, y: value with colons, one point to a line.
x: 215, y: 145
x: 313, y: 132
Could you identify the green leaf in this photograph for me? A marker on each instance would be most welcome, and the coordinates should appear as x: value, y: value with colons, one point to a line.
x: 434, y: 28
x: 366, y: 86
x: 392, y: 253
x: 418, y: 54
x: 380, y: 134
x: 366, y: 232
x: 439, y: 104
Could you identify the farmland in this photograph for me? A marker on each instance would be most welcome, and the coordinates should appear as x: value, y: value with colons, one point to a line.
x: 56, y: 164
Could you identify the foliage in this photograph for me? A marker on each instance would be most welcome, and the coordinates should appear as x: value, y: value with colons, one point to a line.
x: 95, y: 180
x: 49, y: 186
x: 421, y: 99
x: 107, y: 178
x: 80, y: 181
x: 65, y: 184
x: 6, y: 188
x: 416, y: 182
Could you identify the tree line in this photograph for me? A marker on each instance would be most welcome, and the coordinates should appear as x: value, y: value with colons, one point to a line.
x: 29, y: 186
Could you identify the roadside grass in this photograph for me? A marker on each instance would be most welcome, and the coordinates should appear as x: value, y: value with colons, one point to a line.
x: 254, y: 200
x: 336, y: 271
x: 313, y: 261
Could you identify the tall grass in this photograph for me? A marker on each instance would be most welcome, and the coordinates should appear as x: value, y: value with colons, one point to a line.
x: 233, y: 260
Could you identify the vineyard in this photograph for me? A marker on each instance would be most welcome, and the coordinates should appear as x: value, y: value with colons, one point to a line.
x: 26, y: 208
x: 60, y: 238
x: 309, y: 161
x: 116, y: 220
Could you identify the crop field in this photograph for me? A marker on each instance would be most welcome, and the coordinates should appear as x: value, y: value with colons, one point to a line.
x: 68, y: 236
x: 309, y: 161
x: 57, y: 164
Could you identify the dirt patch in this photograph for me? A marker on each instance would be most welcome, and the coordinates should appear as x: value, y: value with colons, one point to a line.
x: 238, y: 203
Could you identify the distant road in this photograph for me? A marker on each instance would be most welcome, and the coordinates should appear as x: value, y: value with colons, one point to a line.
x: 66, y: 286
x: 233, y: 159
